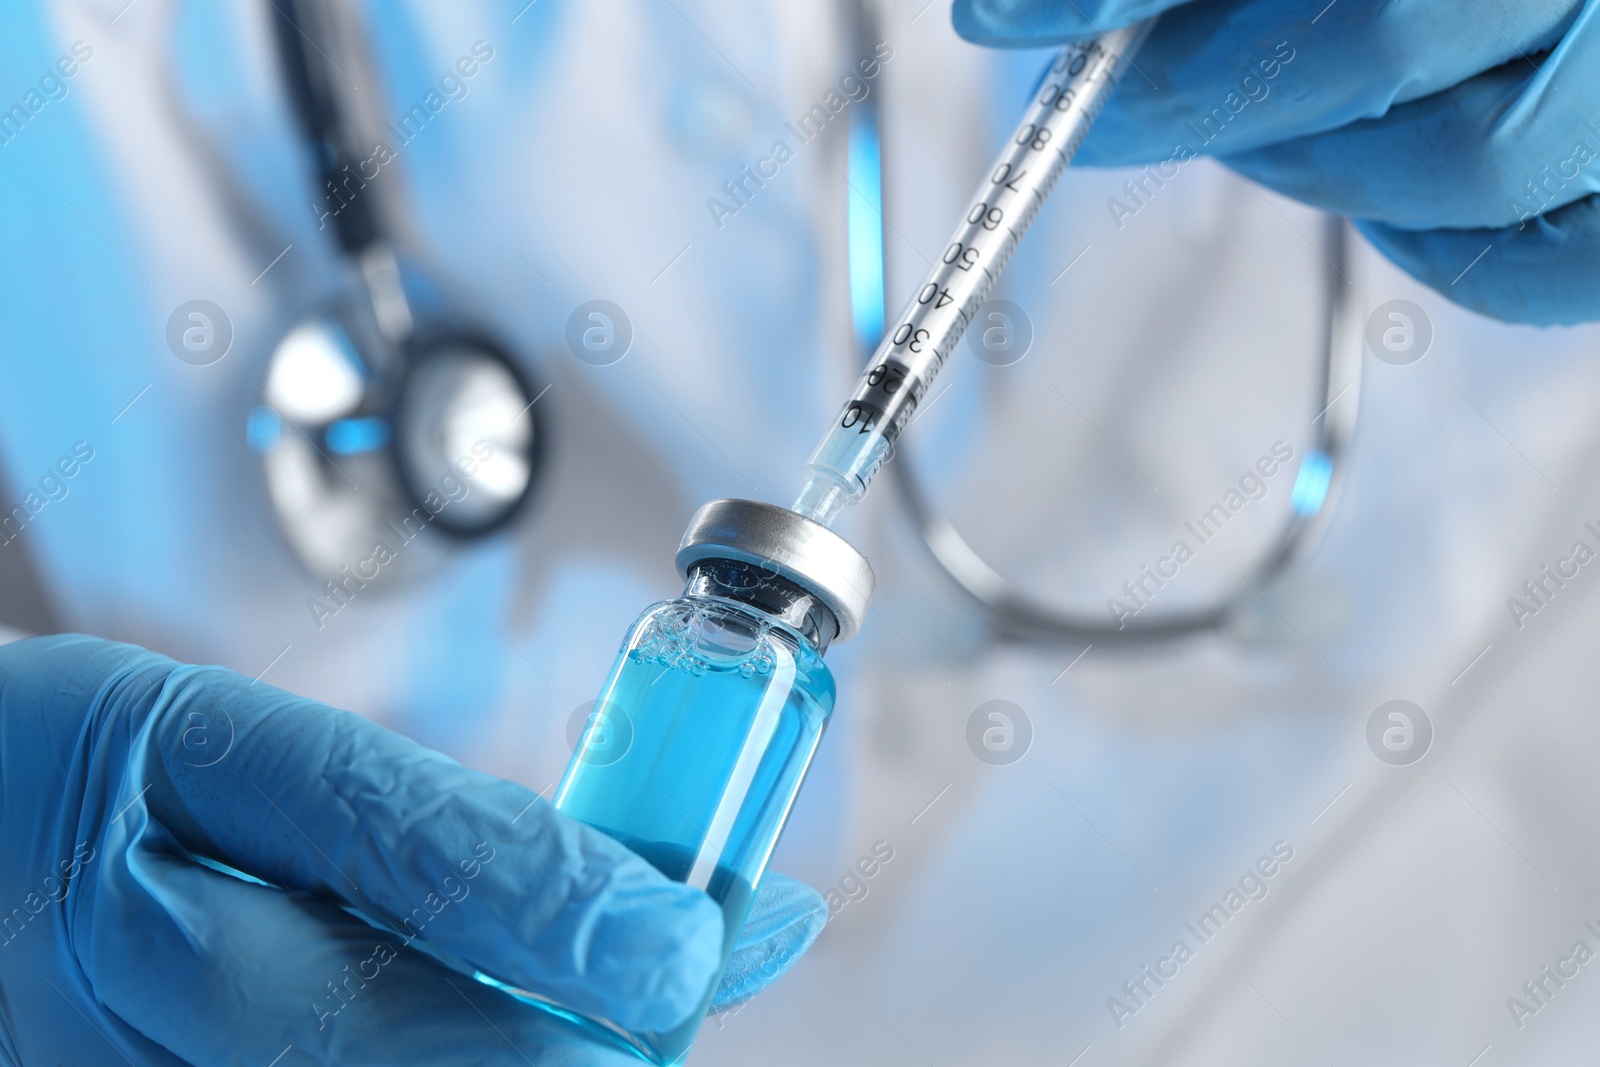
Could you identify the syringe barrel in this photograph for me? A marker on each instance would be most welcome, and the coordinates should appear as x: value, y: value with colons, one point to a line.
x: 916, y: 347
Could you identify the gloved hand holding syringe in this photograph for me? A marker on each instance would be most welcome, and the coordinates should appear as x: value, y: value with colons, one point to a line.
x: 707, y: 724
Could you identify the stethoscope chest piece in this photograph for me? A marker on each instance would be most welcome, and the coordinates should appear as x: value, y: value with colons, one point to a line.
x: 372, y: 449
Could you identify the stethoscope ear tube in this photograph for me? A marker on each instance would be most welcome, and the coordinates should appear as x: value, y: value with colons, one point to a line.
x: 308, y: 39
x: 1011, y: 612
x: 1017, y: 616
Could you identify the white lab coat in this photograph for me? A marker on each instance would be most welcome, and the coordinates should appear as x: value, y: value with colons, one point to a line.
x: 1019, y: 899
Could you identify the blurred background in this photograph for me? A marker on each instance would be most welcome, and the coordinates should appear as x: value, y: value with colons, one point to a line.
x: 594, y: 162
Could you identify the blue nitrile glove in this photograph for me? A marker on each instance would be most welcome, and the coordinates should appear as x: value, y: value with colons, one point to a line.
x: 1464, y: 137
x: 121, y: 770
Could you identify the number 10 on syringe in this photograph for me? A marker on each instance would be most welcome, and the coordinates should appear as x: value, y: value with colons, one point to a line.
x: 912, y: 354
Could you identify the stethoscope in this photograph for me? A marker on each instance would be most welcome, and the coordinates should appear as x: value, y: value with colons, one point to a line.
x: 1010, y: 611
x: 386, y: 417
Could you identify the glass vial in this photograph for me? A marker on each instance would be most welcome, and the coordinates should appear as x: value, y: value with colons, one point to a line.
x: 701, y: 737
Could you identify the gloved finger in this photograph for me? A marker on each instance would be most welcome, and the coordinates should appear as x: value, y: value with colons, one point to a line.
x: 1546, y: 272
x: 1493, y: 151
x: 308, y: 797
x: 1222, y: 76
x: 249, y: 974
x: 1034, y: 23
x: 785, y: 919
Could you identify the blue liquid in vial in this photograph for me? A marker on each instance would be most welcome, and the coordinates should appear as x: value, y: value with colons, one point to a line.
x: 695, y: 752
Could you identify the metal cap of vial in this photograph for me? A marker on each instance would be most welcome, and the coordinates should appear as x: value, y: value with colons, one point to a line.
x: 805, y: 552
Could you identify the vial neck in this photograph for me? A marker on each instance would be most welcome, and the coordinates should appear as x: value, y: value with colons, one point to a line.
x: 771, y: 594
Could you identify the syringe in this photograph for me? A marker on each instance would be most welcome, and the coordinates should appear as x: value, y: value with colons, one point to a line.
x: 912, y: 353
